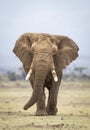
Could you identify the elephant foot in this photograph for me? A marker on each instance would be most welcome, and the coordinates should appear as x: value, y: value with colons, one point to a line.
x: 52, y: 111
x: 41, y: 113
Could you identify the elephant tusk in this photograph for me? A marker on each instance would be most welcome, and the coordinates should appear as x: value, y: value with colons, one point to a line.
x: 54, y: 75
x: 28, y: 74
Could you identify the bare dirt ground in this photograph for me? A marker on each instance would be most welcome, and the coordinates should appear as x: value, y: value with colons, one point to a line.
x: 73, y: 108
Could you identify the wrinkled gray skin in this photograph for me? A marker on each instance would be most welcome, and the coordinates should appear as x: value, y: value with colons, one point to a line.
x: 43, y: 53
x: 42, y: 77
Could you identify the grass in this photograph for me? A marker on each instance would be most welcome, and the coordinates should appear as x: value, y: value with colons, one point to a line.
x: 73, y: 108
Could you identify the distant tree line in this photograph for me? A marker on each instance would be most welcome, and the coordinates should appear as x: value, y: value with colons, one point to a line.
x: 75, y: 73
x: 13, y: 76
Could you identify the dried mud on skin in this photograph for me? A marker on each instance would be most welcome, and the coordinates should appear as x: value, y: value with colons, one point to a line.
x: 73, y: 110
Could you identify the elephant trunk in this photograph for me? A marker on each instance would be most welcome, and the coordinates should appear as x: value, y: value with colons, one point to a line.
x: 40, y: 75
x: 42, y: 63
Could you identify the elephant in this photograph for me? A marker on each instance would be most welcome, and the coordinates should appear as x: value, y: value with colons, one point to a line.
x: 44, y: 56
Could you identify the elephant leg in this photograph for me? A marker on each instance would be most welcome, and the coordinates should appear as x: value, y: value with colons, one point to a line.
x: 53, y: 94
x: 52, y: 100
x: 41, y: 109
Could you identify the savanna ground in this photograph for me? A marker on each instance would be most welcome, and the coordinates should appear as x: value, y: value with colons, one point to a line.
x: 73, y: 107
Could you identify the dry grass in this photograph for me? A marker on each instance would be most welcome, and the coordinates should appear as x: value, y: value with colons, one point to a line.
x: 73, y: 108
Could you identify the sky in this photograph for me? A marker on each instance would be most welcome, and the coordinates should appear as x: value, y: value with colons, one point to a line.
x: 61, y: 17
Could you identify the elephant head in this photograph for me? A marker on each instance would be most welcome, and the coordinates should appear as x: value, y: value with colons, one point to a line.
x: 41, y: 53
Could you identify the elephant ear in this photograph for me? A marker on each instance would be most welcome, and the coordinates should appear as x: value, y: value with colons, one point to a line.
x: 22, y: 50
x: 67, y: 50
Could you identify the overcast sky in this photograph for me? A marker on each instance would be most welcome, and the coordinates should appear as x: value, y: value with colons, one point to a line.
x: 62, y: 17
